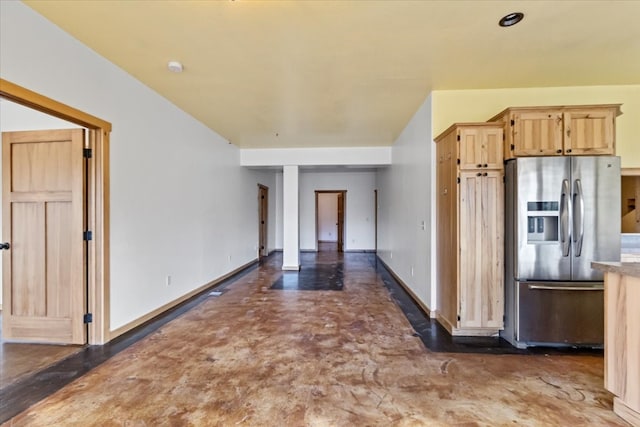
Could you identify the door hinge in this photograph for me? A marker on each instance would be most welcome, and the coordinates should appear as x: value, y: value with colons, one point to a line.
x: 458, y: 180
x: 458, y: 317
x: 86, y: 153
x: 458, y: 161
x: 458, y: 137
x: 504, y: 178
x: 513, y: 147
x: 87, y: 318
x: 87, y: 235
x: 513, y: 122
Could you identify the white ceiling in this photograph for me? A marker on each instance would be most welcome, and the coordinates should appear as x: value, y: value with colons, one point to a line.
x: 269, y: 74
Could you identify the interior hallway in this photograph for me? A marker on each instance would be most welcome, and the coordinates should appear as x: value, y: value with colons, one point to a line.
x: 280, y: 357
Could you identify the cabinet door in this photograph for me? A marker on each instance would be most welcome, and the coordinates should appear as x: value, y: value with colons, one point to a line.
x: 491, y: 148
x: 589, y: 131
x: 491, y: 248
x: 470, y: 147
x: 470, y: 265
x: 537, y: 133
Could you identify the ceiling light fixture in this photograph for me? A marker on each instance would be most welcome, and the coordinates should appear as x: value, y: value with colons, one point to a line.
x: 511, y: 19
x: 175, y: 66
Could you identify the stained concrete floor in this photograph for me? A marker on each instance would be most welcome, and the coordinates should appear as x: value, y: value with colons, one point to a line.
x: 265, y: 357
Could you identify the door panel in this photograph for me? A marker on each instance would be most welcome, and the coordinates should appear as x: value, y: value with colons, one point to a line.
x: 537, y: 133
x: 492, y: 248
x: 492, y: 151
x: 44, y: 286
x: 471, y: 273
x: 539, y: 187
x: 599, y: 181
x: 28, y: 282
x: 470, y: 147
x: 589, y: 132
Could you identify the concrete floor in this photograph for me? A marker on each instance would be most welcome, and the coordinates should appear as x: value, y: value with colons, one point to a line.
x: 262, y: 357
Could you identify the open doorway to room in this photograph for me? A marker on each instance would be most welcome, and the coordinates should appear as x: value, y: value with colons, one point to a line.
x: 54, y: 173
x: 330, y: 213
x: 263, y: 220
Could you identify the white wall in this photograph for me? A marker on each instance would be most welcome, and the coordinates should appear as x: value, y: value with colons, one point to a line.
x: 359, y: 207
x: 328, y: 217
x: 404, y: 199
x: 15, y: 117
x: 180, y: 203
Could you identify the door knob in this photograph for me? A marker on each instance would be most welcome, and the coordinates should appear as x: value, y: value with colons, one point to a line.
x: 4, y: 245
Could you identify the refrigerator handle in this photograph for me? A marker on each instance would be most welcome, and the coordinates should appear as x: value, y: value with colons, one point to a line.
x: 565, y: 214
x: 578, y: 217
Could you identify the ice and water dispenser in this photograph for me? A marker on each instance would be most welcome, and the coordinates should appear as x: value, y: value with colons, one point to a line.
x: 542, y: 222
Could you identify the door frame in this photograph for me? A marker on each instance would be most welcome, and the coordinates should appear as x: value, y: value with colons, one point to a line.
x: 97, y: 202
x: 344, y: 215
x: 263, y: 229
x: 375, y: 219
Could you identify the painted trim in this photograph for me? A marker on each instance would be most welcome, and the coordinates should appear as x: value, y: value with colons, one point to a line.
x: 362, y: 251
x: 413, y: 296
x: 291, y: 268
x: 160, y: 310
x: 98, y: 200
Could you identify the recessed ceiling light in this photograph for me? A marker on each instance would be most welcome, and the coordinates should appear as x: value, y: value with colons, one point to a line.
x: 511, y: 19
x: 175, y: 66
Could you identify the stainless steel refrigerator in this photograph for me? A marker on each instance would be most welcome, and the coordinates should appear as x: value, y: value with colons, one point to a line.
x: 561, y: 214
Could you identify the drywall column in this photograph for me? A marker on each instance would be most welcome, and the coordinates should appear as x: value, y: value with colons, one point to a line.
x: 290, y: 219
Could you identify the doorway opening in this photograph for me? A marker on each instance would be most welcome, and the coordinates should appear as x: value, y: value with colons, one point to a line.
x: 330, y: 220
x: 263, y: 217
x: 95, y: 230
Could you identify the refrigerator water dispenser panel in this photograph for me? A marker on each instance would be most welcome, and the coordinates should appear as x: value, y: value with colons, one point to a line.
x: 542, y: 222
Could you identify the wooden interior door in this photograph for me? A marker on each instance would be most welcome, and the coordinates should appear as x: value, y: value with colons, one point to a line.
x: 263, y: 207
x: 341, y: 222
x: 43, y: 207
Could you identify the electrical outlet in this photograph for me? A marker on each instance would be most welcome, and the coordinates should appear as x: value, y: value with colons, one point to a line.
x: 168, y: 280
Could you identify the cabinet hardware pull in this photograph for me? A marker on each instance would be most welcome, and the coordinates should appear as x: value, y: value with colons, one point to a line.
x: 485, y: 174
x: 479, y: 165
x: 486, y: 165
x: 558, y: 151
x: 569, y: 150
x: 479, y: 174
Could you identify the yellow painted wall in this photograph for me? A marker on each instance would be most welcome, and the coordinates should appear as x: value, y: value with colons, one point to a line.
x: 450, y: 106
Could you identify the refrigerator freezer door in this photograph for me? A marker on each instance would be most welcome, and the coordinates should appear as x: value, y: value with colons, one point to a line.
x: 596, y: 214
x: 540, y: 210
x: 557, y: 313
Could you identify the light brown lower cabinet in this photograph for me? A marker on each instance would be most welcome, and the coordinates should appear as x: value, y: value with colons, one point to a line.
x: 622, y: 341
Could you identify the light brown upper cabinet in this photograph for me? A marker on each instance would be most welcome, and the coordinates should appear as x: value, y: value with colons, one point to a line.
x: 480, y: 147
x: 555, y: 131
